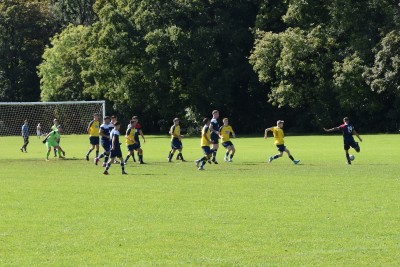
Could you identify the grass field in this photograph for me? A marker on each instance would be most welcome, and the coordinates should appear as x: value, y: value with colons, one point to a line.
x: 245, y: 213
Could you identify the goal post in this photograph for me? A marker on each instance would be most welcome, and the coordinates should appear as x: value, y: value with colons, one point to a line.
x: 74, y: 116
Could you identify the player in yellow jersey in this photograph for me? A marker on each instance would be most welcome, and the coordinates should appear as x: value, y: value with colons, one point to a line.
x: 94, y: 138
x: 205, y: 144
x: 225, y: 133
x: 278, y: 141
x: 176, y: 140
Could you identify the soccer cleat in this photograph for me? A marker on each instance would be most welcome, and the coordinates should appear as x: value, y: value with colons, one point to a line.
x: 61, y: 157
x: 226, y: 158
x: 141, y: 162
x: 104, y: 164
x: 209, y: 161
x: 96, y: 160
x: 169, y: 160
x: 197, y: 162
x: 63, y: 153
x: 105, y: 172
x: 123, y: 172
x: 230, y: 160
x: 201, y: 168
x: 183, y: 160
x: 296, y: 161
x: 87, y: 157
x: 21, y: 150
x: 215, y: 161
x: 270, y: 159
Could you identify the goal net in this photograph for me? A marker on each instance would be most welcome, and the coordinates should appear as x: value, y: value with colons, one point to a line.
x: 74, y: 116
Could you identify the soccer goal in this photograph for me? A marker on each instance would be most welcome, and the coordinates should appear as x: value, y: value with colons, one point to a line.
x: 74, y: 116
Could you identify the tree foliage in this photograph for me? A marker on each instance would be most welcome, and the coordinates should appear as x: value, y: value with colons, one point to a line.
x: 312, y: 60
x: 25, y: 27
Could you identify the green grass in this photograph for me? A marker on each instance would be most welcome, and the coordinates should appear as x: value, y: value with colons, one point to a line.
x: 246, y: 213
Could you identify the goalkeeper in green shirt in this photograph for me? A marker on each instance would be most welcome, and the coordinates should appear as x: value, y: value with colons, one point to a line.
x: 51, y: 140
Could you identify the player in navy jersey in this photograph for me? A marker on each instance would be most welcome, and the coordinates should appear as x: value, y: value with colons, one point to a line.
x: 348, y: 131
x: 214, y: 135
x: 104, y: 132
x: 115, y: 151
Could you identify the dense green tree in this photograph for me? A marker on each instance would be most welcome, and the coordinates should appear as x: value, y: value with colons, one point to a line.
x: 60, y: 70
x: 77, y: 12
x: 25, y: 27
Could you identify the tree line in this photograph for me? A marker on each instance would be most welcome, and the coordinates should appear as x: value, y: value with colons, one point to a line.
x: 310, y: 62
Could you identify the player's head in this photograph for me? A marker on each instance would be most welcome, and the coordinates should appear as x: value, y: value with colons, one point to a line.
x: 26, y: 121
x: 55, y: 121
x: 117, y: 125
x: 107, y: 120
x: 135, y: 118
x: 215, y: 114
x: 280, y: 123
x: 96, y: 116
x: 225, y: 121
x: 133, y: 122
x: 346, y: 120
x: 176, y: 121
x: 113, y: 118
x: 59, y: 128
x: 206, y: 121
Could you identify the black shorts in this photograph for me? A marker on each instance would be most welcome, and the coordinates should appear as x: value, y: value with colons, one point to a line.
x: 227, y: 144
x: 94, y: 140
x: 116, y: 153
x: 281, y: 148
x: 214, y: 138
x: 352, y: 144
x: 176, y: 143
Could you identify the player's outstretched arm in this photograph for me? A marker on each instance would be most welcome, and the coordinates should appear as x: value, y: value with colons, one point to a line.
x: 358, y: 136
x: 332, y: 129
x: 266, y: 132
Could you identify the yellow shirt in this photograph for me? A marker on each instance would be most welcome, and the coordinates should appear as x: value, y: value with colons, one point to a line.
x: 206, y: 130
x: 175, y: 130
x: 130, y: 133
x: 94, y: 127
x: 278, y: 135
x: 226, y: 132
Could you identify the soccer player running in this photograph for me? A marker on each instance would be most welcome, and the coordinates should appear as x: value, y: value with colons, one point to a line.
x: 176, y: 141
x: 94, y: 139
x: 115, y: 149
x: 25, y: 136
x: 104, y: 132
x: 348, y: 131
x: 214, y: 127
x: 225, y: 133
x: 133, y: 142
x: 205, y: 144
x: 278, y: 141
x: 51, y: 140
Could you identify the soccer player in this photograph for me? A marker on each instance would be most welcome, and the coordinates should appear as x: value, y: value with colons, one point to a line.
x: 51, y: 140
x: 55, y: 128
x: 25, y: 136
x: 105, y: 140
x: 225, y: 133
x: 214, y: 127
x: 138, y: 126
x: 94, y: 139
x: 278, y: 141
x: 39, y: 130
x: 115, y: 149
x: 348, y: 131
x: 176, y: 140
x: 133, y: 142
x: 205, y: 144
